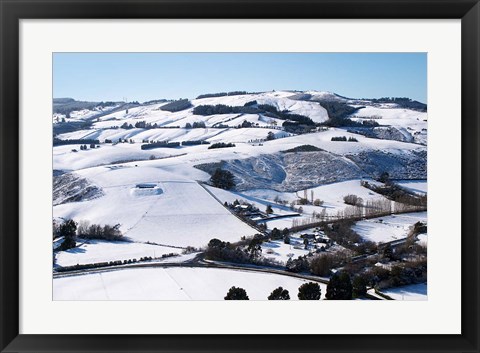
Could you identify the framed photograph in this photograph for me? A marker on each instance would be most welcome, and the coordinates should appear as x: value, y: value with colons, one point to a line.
x: 238, y: 176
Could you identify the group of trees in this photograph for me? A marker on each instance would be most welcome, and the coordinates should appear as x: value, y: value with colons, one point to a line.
x: 177, y: 105
x: 248, y: 251
x: 270, y: 136
x: 401, y: 273
x: 342, y: 233
x: 402, y: 102
x: 395, y: 193
x: 139, y: 125
x: 338, y: 113
x: 277, y: 234
x: 221, y: 145
x: 196, y: 125
x: 59, y: 142
x: 303, y: 148
x: 194, y: 143
x: 223, y: 179
x: 97, y: 231
x: 206, y: 110
x: 344, y: 138
x: 340, y: 287
x: 70, y: 229
x: 266, y: 109
x: 307, y: 291
x: 150, y: 146
x: 353, y: 200
x: 84, y: 147
x: 322, y: 264
x: 223, y: 94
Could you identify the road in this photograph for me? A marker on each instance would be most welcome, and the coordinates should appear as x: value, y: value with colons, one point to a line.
x: 198, y: 261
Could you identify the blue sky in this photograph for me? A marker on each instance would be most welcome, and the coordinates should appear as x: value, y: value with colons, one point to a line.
x: 146, y: 76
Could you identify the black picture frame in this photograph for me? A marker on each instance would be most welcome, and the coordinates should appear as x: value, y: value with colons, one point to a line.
x: 13, y: 10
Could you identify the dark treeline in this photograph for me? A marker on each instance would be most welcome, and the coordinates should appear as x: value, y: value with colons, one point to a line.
x: 155, y: 101
x: 196, y: 125
x: 221, y: 145
x: 205, y: 110
x: 59, y: 142
x: 338, y: 113
x: 344, y: 138
x: 67, y: 105
x: 139, y: 125
x: 195, y: 142
x: 303, y: 148
x: 177, y: 106
x: 224, y: 94
x: 294, y: 121
x: 97, y: 231
x: 150, y: 146
x: 402, y: 102
x: 395, y: 193
x: 157, y: 144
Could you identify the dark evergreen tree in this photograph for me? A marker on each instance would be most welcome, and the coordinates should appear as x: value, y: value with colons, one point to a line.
x: 254, y: 248
x: 339, y: 287
x: 236, y: 293
x: 270, y: 136
x: 384, y: 177
x: 68, y: 228
x: 387, y: 252
x: 68, y: 243
x: 309, y: 291
x: 279, y: 294
x: 269, y: 209
x: 276, y: 234
x: 359, y: 287
x: 246, y: 124
x: 222, y: 179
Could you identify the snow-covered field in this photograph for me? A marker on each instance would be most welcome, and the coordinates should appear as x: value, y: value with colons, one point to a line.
x: 94, y: 251
x: 174, y: 283
x: 416, y: 186
x: 182, y: 214
x: 411, y: 292
x: 385, y: 229
x: 177, y: 210
x: 331, y: 194
x: 411, y: 123
x: 279, y: 251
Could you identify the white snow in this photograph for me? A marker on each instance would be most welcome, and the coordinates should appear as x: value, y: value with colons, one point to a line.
x: 416, y: 186
x: 385, y: 229
x: 278, y: 250
x: 410, y: 292
x: 422, y: 239
x: 94, y: 251
x: 179, y: 211
x: 331, y: 194
x: 183, y: 214
x: 173, y: 283
x: 413, y: 121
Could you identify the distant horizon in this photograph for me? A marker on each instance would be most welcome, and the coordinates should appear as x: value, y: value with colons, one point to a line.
x: 191, y: 98
x: 144, y: 77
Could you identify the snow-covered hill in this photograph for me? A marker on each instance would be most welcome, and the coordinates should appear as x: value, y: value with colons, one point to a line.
x: 100, y: 184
